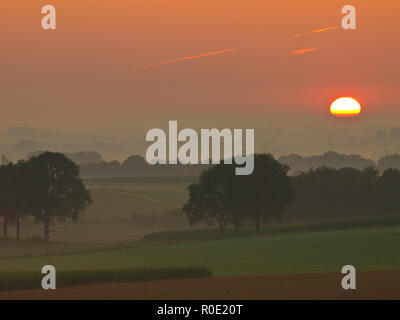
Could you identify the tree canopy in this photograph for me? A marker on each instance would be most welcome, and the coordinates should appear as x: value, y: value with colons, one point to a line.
x: 46, y: 186
x: 220, y: 197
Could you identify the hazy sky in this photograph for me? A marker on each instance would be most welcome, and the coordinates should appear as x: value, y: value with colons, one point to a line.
x: 83, y: 75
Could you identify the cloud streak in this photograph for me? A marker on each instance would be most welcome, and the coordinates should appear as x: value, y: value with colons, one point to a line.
x: 184, y: 58
x: 302, y: 51
x: 315, y: 31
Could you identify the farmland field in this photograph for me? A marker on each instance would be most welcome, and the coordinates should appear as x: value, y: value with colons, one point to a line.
x: 110, y: 240
x: 371, y: 285
x: 367, y: 249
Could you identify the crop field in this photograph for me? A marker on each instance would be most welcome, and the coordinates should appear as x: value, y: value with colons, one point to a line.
x: 328, y: 251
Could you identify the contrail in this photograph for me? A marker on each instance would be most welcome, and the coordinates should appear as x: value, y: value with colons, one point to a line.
x: 302, y: 51
x: 184, y: 58
x: 315, y: 31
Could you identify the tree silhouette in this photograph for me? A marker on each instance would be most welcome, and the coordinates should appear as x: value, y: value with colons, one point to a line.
x: 267, y: 191
x: 58, y: 191
x: 219, y: 196
x: 7, y: 197
x: 388, y: 192
x: 22, y: 194
x: 208, y: 198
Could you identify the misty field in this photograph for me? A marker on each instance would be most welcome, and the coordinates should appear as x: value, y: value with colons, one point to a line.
x: 115, y: 202
x: 366, y: 249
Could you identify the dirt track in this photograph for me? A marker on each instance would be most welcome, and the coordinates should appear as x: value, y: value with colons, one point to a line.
x: 370, y: 285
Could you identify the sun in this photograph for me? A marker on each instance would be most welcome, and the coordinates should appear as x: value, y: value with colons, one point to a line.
x: 345, y: 107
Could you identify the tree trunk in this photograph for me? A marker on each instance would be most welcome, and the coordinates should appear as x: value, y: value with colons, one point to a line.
x: 5, y: 229
x: 47, y: 230
x: 258, y: 225
x: 17, y: 225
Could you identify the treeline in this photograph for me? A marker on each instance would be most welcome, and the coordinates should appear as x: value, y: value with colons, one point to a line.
x: 298, y: 163
x: 46, y: 187
x: 81, y: 158
x: 137, y: 166
x: 324, y: 192
x: 92, y: 164
x: 219, y: 197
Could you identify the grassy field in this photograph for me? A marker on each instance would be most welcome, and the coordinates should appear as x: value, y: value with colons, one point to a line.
x: 165, y: 191
x: 170, y: 198
x: 29, y: 248
x: 328, y: 251
x: 141, y: 180
x: 212, y: 233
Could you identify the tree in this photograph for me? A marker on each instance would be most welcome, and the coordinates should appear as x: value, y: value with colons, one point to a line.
x: 220, y: 196
x: 22, y: 192
x: 7, y: 212
x: 389, y: 161
x: 58, y: 191
x: 205, y: 202
x: 388, y: 192
x: 211, y: 198
x: 267, y: 191
x: 330, y: 193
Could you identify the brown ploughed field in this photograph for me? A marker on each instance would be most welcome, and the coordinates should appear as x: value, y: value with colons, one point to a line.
x: 370, y: 285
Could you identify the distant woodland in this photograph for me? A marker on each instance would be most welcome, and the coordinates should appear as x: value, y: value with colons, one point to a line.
x: 92, y: 164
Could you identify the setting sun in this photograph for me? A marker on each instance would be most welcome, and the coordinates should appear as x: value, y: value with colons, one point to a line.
x: 345, y: 107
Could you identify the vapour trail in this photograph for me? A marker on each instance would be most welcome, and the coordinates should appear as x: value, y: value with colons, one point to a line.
x: 315, y: 31
x: 185, y: 58
x: 302, y: 51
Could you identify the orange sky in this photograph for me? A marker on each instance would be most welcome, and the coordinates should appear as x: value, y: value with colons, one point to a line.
x: 83, y: 73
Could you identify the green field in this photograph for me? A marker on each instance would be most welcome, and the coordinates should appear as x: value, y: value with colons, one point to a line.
x: 26, y: 248
x: 328, y: 251
x: 186, y: 235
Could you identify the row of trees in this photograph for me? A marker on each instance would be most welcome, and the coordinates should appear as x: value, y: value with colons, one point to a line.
x: 46, y: 187
x: 299, y: 163
x: 347, y: 192
x: 136, y: 165
x: 223, y: 198
x: 220, y: 197
x: 331, y: 159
